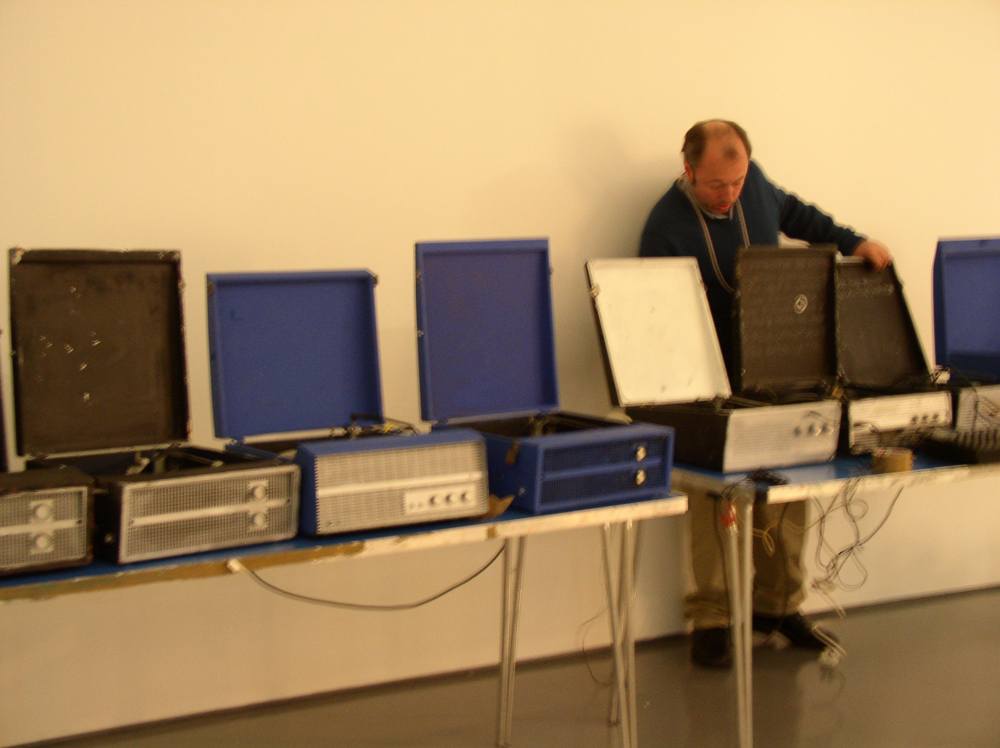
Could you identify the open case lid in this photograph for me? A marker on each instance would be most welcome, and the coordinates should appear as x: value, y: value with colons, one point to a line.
x: 784, y: 324
x: 292, y: 351
x: 3, y: 436
x: 97, y: 339
x: 967, y: 305
x: 657, y: 331
x: 877, y: 343
x: 485, y: 333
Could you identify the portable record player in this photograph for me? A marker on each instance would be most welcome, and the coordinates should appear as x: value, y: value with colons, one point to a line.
x: 665, y: 366
x: 967, y: 328
x: 45, y: 518
x: 295, y: 354
x: 98, y: 352
x: 487, y: 360
x: 890, y: 399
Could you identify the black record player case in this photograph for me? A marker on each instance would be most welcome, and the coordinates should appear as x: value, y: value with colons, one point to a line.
x: 99, y: 365
x: 889, y: 397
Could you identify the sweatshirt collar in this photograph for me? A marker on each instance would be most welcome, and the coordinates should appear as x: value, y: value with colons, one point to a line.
x: 685, y: 185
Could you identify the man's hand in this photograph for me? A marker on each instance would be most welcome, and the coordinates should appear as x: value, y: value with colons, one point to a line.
x: 876, y: 253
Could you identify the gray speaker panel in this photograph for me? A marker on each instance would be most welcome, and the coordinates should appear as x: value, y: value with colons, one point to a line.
x: 894, y: 420
x: 193, y: 514
x: 44, y: 528
x: 386, y: 487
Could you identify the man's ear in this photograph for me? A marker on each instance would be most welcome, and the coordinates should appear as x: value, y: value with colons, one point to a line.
x: 689, y: 172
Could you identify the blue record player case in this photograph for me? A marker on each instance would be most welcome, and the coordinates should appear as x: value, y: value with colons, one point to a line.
x: 293, y: 351
x: 487, y: 359
x: 967, y: 328
x: 297, y: 352
x: 967, y: 306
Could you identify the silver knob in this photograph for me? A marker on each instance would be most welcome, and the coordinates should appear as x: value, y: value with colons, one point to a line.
x: 42, y: 511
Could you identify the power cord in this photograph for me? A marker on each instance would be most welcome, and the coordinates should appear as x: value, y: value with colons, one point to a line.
x: 235, y: 566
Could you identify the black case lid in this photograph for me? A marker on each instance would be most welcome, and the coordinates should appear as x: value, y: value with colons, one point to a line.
x: 97, y: 339
x: 784, y: 321
x: 3, y: 435
x: 877, y: 342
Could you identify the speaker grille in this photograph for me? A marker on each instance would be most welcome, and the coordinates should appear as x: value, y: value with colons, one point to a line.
x: 354, y: 489
x: 205, y: 512
x: 43, y: 528
x: 379, y: 465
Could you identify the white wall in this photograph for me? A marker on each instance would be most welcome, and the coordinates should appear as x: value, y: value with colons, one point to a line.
x: 297, y: 135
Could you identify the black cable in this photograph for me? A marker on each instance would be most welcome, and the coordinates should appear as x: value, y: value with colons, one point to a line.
x: 984, y: 408
x: 835, y: 565
x: 586, y: 627
x: 839, y: 559
x: 377, y: 427
x: 361, y: 606
x: 780, y: 548
x: 892, y: 505
x: 586, y: 657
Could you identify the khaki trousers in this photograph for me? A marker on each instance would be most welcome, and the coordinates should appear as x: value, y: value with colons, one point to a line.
x: 778, y: 573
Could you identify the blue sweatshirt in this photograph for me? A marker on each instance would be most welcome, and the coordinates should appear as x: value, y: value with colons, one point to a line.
x: 673, y: 230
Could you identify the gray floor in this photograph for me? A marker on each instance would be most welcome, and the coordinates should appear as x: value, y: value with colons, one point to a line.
x: 917, y: 674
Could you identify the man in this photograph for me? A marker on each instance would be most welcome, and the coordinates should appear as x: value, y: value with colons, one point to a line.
x: 723, y: 201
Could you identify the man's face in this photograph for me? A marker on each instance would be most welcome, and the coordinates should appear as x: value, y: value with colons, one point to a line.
x: 718, y: 180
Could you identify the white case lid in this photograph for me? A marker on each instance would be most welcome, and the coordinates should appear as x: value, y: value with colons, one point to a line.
x: 657, y: 328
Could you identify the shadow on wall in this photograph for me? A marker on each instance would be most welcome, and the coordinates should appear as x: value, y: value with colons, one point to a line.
x: 591, y: 200
x: 616, y: 193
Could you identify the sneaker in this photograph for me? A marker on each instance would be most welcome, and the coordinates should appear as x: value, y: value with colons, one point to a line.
x: 799, y: 630
x: 711, y: 647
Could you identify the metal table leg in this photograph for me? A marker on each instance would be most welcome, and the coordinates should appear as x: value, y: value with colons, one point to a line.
x: 513, y: 564
x: 746, y: 569
x: 626, y: 592
x: 626, y: 607
x: 620, y: 609
x: 739, y: 574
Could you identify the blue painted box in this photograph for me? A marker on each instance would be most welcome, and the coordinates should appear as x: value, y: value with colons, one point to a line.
x: 294, y: 355
x: 967, y: 306
x: 487, y: 359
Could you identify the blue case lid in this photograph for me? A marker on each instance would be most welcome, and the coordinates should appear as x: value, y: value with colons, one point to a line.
x: 292, y: 351
x: 967, y: 305
x: 485, y: 333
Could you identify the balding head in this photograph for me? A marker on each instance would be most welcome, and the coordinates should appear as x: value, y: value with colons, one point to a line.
x: 716, y: 159
x: 725, y: 136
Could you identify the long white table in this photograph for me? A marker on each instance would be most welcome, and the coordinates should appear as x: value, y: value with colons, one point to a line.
x: 822, y: 482
x: 620, y: 525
